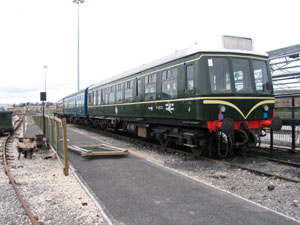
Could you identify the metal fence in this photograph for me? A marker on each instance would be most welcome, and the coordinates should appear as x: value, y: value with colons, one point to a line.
x: 56, y: 134
x: 288, y: 109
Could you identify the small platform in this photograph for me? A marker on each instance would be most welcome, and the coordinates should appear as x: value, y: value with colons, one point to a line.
x: 98, y: 150
x: 26, y: 145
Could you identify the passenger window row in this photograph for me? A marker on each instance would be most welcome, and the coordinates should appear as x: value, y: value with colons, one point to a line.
x: 124, y: 92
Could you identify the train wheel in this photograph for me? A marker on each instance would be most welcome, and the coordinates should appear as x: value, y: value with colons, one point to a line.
x: 164, y: 141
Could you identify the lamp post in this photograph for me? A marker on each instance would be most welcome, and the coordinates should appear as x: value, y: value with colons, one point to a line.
x: 44, y: 99
x: 45, y: 67
x: 77, y: 2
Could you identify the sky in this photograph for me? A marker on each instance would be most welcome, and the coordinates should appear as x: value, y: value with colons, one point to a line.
x: 118, y: 35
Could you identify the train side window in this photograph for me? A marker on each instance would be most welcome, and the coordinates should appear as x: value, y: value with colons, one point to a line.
x: 190, y: 77
x: 138, y: 87
x: 150, y: 87
x: 99, y: 97
x: 261, y: 76
x: 95, y: 98
x: 169, y: 83
x: 128, y: 91
x: 219, y: 75
x: 111, y: 95
x: 90, y: 98
x: 106, y: 95
x: 120, y: 93
x: 78, y: 100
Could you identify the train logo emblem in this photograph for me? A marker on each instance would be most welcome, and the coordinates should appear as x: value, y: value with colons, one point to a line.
x: 170, y: 107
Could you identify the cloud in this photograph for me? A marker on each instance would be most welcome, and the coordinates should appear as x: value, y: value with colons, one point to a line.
x: 17, y: 91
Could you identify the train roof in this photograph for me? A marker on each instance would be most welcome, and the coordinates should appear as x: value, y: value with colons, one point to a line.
x: 73, y: 94
x: 177, y: 55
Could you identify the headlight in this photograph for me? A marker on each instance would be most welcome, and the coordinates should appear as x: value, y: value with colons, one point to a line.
x: 222, y: 108
x: 266, y: 108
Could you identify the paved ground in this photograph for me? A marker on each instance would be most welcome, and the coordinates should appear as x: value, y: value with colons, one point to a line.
x: 135, y: 191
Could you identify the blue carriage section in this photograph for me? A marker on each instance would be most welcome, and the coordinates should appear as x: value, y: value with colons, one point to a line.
x: 76, y: 104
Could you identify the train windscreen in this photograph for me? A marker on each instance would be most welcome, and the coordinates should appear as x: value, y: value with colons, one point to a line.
x: 244, y: 80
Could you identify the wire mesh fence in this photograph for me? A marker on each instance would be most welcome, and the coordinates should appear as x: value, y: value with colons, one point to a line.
x: 56, y: 134
x: 288, y: 109
x: 284, y: 137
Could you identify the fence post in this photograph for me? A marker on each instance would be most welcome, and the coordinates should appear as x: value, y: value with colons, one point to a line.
x: 65, y: 144
x: 51, y: 131
x: 293, y: 126
x: 271, y: 141
x: 46, y: 128
x: 56, y: 136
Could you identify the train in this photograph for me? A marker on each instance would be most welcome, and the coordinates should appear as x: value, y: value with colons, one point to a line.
x: 6, y: 121
x: 210, y: 101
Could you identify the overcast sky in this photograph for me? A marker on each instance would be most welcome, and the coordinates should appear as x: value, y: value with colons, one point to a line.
x: 118, y: 35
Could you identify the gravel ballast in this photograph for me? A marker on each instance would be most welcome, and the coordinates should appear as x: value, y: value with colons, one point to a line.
x: 51, y: 196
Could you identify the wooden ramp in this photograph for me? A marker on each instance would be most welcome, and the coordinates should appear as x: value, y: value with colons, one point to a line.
x: 98, y: 150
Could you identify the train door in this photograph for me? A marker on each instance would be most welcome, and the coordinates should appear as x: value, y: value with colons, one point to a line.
x: 138, y: 90
x: 189, y: 80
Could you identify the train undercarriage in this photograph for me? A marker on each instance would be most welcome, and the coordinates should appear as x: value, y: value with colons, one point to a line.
x: 200, y: 140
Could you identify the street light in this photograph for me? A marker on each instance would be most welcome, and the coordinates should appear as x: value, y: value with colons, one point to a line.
x: 44, y: 99
x: 77, y: 2
x: 45, y: 67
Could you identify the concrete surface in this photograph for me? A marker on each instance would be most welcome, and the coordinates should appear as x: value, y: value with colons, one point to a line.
x: 135, y: 191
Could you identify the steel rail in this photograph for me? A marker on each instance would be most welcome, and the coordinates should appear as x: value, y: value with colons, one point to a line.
x: 12, y: 181
x: 261, y: 172
x: 286, y: 162
x: 281, y: 148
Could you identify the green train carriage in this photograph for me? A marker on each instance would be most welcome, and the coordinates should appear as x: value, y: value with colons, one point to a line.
x: 6, y: 121
x: 193, y: 98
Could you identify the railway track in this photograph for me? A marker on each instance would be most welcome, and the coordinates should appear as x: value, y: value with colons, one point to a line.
x: 290, y: 166
x: 275, y: 159
x: 278, y: 155
x: 6, y: 143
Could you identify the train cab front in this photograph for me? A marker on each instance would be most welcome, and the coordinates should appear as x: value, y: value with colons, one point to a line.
x: 241, y: 103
